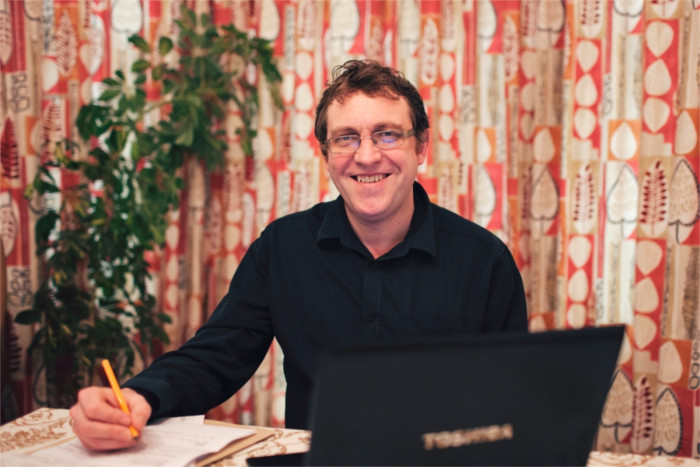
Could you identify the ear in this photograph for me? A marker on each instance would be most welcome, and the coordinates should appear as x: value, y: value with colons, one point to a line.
x: 422, y: 148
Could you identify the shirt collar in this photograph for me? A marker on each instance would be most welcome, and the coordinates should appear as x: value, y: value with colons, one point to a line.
x: 421, y: 233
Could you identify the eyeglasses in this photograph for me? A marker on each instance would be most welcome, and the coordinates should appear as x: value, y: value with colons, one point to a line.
x: 384, y: 139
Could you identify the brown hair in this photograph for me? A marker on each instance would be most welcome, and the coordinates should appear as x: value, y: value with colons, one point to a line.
x: 373, y: 79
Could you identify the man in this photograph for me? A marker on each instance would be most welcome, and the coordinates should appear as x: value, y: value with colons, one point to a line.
x: 378, y: 264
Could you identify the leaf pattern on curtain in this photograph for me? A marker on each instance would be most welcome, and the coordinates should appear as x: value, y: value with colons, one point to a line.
x: 53, y: 126
x: 485, y: 197
x: 684, y: 209
x: 584, y: 200
x: 622, y: 200
x: 6, y: 34
x: 623, y: 143
x: 643, y: 416
x: 618, y: 413
x: 592, y: 16
x: 544, y: 203
x: 569, y: 128
x: 9, y: 155
x: 669, y: 424
x: 654, y: 210
x: 66, y: 45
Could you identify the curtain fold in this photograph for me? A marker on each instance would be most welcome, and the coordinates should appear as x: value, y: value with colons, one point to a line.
x: 568, y: 128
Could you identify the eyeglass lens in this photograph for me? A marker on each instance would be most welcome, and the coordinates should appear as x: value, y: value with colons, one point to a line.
x: 385, y: 139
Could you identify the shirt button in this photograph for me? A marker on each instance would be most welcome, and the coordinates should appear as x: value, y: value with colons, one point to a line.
x: 371, y: 318
x: 373, y: 264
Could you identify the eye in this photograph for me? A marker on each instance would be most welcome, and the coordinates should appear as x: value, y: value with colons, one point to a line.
x: 387, y: 136
x: 344, y: 140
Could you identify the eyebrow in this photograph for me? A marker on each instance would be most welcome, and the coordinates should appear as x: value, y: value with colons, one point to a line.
x: 378, y: 127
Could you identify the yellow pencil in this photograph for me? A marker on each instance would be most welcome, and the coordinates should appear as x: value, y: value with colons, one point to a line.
x: 118, y: 393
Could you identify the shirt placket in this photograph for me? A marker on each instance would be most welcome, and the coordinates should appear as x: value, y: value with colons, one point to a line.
x: 371, y: 300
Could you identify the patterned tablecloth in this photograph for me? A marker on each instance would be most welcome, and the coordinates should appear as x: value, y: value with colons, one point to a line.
x: 47, y: 427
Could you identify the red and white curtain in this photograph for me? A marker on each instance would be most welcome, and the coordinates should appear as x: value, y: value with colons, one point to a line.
x: 569, y: 128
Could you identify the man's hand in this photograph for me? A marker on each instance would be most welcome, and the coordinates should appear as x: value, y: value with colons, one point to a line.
x: 101, y: 425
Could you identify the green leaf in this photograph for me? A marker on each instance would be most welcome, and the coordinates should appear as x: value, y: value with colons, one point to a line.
x: 29, y: 191
x: 204, y: 20
x: 185, y: 138
x: 47, y: 187
x: 157, y: 72
x: 28, y: 317
x: 165, y: 45
x: 111, y: 82
x: 109, y: 94
x: 140, y: 43
x: 169, y: 85
x: 189, y: 15
x: 140, y: 65
x: 45, y: 225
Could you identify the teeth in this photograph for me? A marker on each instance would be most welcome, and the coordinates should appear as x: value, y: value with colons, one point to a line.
x: 369, y: 178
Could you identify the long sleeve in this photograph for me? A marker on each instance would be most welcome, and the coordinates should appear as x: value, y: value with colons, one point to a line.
x: 223, y: 354
x: 506, y: 300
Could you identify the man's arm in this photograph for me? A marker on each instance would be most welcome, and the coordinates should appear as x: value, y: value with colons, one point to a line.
x: 201, y: 374
x: 507, y: 308
x: 223, y: 354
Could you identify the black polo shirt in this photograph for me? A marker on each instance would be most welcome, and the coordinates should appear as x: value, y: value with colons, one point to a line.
x: 309, y: 282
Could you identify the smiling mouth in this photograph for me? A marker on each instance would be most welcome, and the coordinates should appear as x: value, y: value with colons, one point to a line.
x: 369, y: 178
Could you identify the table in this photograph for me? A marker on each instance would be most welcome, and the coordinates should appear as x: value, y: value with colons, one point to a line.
x: 47, y: 427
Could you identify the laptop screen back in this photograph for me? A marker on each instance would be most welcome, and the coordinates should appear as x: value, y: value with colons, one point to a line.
x: 503, y: 399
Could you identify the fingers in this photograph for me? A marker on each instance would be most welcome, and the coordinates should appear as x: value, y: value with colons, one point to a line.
x: 139, y: 407
x: 100, y: 436
x: 101, y: 425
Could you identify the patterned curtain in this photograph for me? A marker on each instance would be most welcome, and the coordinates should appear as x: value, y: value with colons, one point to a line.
x: 569, y: 128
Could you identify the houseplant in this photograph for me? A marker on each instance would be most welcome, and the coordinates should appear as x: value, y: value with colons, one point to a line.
x: 119, y: 181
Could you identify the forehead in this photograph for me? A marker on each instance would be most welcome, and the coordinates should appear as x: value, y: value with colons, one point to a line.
x: 362, y: 111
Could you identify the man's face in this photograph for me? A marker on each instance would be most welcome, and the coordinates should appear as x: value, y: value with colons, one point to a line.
x: 376, y: 184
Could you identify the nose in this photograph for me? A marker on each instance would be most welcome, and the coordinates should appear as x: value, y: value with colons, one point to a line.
x: 367, y: 152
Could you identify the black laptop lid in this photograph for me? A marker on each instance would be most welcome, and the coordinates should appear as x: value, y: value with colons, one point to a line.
x: 505, y: 399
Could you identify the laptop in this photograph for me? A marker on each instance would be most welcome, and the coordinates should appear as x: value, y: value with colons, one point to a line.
x: 501, y: 399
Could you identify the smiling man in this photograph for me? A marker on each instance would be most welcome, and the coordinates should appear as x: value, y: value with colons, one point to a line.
x: 373, y: 157
x: 379, y: 264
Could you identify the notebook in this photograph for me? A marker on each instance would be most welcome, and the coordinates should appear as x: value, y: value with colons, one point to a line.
x: 502, y: 399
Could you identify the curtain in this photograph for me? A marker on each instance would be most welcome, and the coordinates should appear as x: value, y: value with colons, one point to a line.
x: 568, y: 128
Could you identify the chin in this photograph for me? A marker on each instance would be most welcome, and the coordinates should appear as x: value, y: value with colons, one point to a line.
x: 371, y: 214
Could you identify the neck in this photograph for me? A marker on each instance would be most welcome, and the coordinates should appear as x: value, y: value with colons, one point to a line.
x: 380, y: 237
